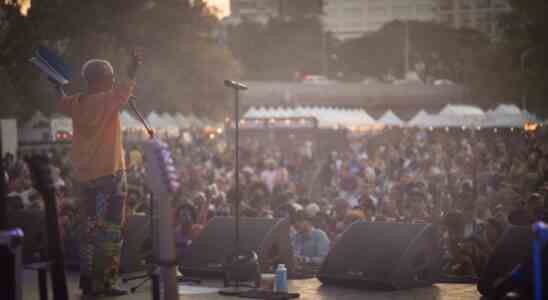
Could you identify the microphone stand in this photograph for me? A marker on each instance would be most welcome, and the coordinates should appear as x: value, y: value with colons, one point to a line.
x: 3, y: 203
x: 140, y: 116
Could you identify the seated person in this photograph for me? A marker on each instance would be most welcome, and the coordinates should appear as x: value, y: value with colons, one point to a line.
x: 186, y: 227
x: 310, y: 245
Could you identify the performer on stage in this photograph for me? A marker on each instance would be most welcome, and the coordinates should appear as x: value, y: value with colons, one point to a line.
x: 100, y: 172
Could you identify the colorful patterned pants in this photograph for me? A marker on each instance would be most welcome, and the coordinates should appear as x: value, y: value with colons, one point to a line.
x: 103, y: 218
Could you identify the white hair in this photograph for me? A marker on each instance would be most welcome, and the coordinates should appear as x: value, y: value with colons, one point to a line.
x: 93, y: 64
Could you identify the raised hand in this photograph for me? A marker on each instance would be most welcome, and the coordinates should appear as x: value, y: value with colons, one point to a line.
x: 136, y: 62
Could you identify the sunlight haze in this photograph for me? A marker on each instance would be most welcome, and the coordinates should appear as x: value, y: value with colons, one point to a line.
x: 222, y: 5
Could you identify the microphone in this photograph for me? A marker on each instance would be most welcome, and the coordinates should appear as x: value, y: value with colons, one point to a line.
x: 235, y: 85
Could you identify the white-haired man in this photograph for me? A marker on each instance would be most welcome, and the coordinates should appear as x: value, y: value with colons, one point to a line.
x: 98, y: 160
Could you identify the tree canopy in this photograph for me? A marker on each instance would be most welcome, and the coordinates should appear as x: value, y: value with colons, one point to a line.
x: 184, y: 65
x: 281, y: 48
x: 525, y: 36
x: 436, y: 51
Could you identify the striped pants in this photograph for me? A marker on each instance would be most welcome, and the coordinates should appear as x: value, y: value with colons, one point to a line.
x: 102, y: 204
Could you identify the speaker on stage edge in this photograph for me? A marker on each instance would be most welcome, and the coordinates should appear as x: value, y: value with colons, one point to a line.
x: 383, y: 256
x: 207, y: 255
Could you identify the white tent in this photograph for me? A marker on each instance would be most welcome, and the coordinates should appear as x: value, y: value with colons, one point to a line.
x: 60, y: 123
x: 327, y: 117
x: 365, y: 118
x: 182, y: 122
x: 169, y: 121
x: 128, y: 122
x: 505, y: 115
x: 251, y: 113
x: 261, y: 113
x: 155, y: 121
x: 421, y: 119
x: 461, y: 115
x: 389, y: 118
x: 194, y: 121
x: 38, y: 119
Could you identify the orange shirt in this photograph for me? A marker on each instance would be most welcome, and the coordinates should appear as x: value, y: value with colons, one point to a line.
x: 97, y: 139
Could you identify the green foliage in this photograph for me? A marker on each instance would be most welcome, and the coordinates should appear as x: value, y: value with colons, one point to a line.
x: 435, y: 51
x: 526, y: 38
x: 281, y: 48
x: 184, y: 65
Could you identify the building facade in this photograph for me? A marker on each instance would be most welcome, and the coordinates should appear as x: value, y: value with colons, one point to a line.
x: 481, y: 15
x: 348, y: 19
x: 254, y: 10
x: 352, y: 18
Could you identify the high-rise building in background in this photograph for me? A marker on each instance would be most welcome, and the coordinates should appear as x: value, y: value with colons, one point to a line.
x: 352, y: 18
x: 481, y: 15
x: 262, y: 10
x: 254, y: 10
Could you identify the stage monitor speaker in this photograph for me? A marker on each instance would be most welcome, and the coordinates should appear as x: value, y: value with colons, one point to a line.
x: 514, y: 247
x: 135, y: 249
x: 383, y: 256
x: 269, y: 238
x: 12, y: 264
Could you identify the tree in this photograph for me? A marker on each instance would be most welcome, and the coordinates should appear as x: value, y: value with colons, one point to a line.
x: 184, y: 65
x: 525, y: 36
x: 435, y: 51
x: 281, y: 48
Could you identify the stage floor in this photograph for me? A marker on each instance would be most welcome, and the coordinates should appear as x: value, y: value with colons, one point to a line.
x: 309, y: 289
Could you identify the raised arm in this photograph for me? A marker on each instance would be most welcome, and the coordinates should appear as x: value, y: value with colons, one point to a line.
x: 123, y: 92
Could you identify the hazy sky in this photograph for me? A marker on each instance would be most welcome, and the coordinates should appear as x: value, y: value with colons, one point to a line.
x: 223, y: 5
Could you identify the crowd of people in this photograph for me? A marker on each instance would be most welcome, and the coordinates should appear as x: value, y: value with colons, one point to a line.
x: 470, y: 184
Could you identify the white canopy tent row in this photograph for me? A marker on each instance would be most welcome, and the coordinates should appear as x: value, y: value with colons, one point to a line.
x: 466, y: 116
x: 327, y: 117
x: 163, y: 122
x: 460, y: 115
x: 455, y: 116
x: 389, y: 118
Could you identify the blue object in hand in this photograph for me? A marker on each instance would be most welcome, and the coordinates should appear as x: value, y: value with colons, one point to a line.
x: 52, y: 65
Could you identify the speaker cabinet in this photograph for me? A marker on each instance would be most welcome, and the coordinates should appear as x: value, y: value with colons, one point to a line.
x: 514, y: 247
x: 383, y: 256
x: 207, y: 255
x: 12, y: 264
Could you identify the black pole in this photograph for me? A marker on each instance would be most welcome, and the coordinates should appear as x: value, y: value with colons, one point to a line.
x: 237, y: 167
x: 3, y: 204
x: 140, y: 116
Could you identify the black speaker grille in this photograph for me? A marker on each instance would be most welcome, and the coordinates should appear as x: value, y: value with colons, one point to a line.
x: 513, y: 247
x: 216, y: 242
x: 383, y: 255
x: 370, y: 249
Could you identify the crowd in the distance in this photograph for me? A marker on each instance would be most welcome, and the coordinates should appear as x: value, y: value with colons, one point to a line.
x: 470, y: 184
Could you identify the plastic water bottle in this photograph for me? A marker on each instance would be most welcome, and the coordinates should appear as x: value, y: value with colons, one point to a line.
x: 281, y: 279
